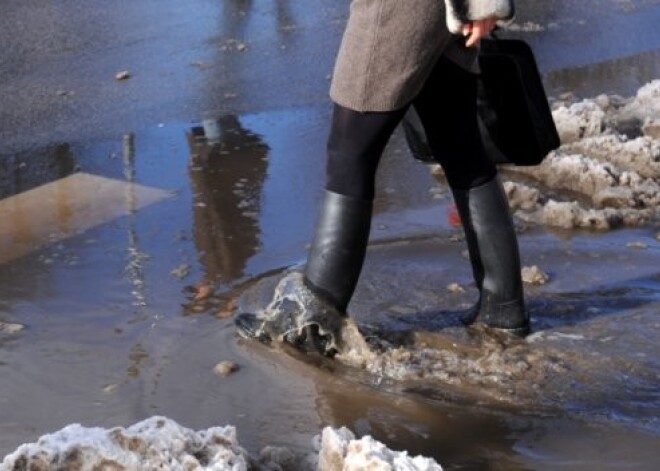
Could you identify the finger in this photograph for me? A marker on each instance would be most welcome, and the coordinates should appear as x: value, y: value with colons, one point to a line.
x: 476, y: 34
x: 467, y: 29
x: 487, y: 25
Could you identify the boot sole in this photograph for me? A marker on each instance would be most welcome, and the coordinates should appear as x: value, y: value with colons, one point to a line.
x: 519, y: 332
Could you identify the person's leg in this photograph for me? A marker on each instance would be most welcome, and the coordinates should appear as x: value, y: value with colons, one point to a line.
x: 447, y: 108
x: 310, y: 315
x: 355, y: 145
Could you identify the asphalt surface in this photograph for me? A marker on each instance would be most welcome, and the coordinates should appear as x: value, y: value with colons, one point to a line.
x: 59, y: 60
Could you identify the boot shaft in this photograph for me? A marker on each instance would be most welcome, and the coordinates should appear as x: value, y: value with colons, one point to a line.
x: 339, y: 246
x: 494, y: 255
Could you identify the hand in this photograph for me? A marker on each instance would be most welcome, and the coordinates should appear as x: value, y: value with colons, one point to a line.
x: 477, y: 29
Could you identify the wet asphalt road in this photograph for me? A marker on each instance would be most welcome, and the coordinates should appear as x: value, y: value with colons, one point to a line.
x: 59, y: 60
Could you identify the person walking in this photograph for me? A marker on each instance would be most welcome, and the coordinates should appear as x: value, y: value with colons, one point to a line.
x: 395, y: 55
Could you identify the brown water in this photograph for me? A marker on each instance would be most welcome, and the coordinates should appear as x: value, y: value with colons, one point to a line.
x: 119, y: 322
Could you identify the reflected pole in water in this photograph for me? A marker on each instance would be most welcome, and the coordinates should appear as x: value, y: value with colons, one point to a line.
x: 135, y: 257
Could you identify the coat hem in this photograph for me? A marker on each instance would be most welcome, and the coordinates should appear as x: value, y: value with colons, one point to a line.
x: 382, y: 106
x: 399, y: 101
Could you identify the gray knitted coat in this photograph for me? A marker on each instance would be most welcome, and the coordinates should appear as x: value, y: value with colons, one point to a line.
x: 389, y: 48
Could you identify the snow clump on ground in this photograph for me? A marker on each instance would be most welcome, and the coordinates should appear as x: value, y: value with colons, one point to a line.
x: 606, y: 172
x: 161, y: 443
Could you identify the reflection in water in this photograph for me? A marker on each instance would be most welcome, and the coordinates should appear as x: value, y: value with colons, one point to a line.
x: 63, y: 208
x: 283, y: 15
x: 135, y: 257
x: 27, y: 170
x: 137, y: 355
x: 233, y: 13
x: 228, y: 166
x: 239, y: 17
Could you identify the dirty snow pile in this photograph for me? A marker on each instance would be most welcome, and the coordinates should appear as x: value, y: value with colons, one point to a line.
x: 606, y: 173
x: 161, y: 443
x: 340, y: 451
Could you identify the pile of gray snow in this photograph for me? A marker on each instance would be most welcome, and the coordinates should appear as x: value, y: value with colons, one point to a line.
x: 606, y: 173
x: 155, y: 443
x: 161, y: 443
x: 341, y: 451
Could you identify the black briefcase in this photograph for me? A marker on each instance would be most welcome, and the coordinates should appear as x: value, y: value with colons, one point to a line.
x: 514, y: 116
x: 516, y: 120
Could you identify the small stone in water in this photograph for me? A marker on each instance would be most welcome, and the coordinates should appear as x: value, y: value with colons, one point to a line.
x: 225, y: 368
x: 455, y: 288
x: 10, y: 328
x: 534, y: 275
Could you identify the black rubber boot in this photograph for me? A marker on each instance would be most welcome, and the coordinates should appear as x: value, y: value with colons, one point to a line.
x: 493, y: 248
x: 338, y: 249
x: 308, y: 309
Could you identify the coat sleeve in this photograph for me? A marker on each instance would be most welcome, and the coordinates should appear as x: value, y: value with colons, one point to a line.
x: 460, y: 12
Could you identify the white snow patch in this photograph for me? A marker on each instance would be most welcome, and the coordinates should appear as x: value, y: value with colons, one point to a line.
x: 155, y: 443
x: 578, y: 121
x: 605, y: 174
x: 161, y: 443
x: 340, y: 450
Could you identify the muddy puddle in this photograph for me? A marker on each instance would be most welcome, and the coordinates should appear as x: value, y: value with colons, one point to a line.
x: 124, y: 260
